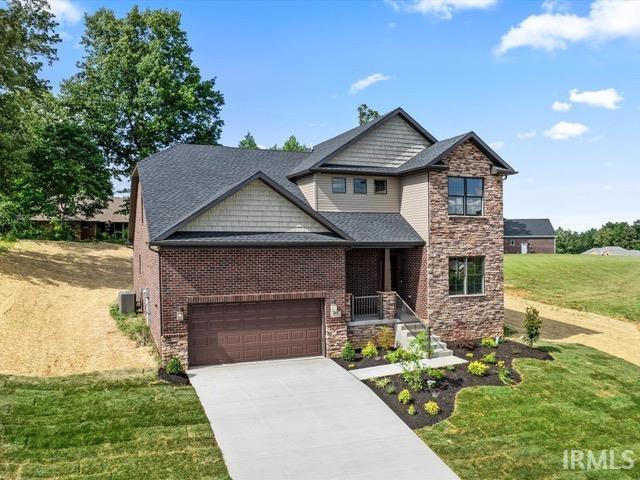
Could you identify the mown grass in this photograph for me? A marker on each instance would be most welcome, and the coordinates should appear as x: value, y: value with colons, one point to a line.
x: 584, y: 399
x: 116, y: 426
x: 608, y: 285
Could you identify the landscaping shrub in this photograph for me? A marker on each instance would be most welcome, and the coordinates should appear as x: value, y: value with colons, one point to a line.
x: 451, y: 368
x: 478, y: 368
x: 420, y: 345
x: 381, y: 382
x: 386, y: 338
x: 411, y: 410
x: 468, y: 355
x: 132, y: 325
x: 436, y: 374
x: 504, y: 374
x: 351, y: 365
x: 490, y: 358
x: 390, y: 389
x: 432, y: 408
x: 174, y: 367
x: 404, y: 397
x: 414, y: 379
x: 489, y: 342
x: 369, y: 350
x: 532, y: 324
x: 399, y: 355
x: 348, y: 353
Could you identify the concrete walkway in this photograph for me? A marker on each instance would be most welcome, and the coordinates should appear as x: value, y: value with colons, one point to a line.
x: 396, y: 368
x: 308, y: 419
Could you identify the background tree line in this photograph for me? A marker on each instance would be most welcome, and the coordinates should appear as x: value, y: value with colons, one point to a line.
x: 136, y: 91
x: 619, y: 234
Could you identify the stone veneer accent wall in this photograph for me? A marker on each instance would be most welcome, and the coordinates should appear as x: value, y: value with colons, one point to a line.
x: 188, y: 274
x: 466, y: 316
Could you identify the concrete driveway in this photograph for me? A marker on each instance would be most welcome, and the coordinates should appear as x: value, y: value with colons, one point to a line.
x: 308, y: 419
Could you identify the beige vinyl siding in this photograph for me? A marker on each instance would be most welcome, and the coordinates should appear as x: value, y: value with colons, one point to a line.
x: 307, y: 186
x: 389, y: 145
x: 254, y: 208
x: 414, y: 199
x: 350, y: 202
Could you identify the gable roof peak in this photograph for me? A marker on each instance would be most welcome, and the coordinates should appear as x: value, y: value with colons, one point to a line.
x: 324, y: 150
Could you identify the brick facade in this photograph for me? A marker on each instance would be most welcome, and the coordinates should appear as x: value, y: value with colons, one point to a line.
x: 362, y: 271
x: 536, y: 245
x: 456, y: 317
x: 146, y: 270
x: 222, y: 274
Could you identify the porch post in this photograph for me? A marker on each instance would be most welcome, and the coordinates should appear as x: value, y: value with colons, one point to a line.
x: 387, y: 270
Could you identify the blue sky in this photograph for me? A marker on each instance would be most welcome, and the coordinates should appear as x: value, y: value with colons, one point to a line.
x: 492, y: 66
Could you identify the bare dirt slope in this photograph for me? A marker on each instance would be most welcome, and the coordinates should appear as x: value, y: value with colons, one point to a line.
x: 54, y: 319
x: 615, y: 337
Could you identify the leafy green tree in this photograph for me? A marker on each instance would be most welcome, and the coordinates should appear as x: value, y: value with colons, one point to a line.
x: 28, y: 39
x: 366, y: 114
x: 620, y: 234
x: 67, y: 174
x: 292, y: 145
x: 137, y: 90
x: 248, y: 142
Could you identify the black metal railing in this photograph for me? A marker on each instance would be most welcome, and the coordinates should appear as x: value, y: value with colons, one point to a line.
x: 365, y: 307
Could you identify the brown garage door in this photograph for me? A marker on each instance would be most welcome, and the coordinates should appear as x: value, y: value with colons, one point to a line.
x: 250, y: 331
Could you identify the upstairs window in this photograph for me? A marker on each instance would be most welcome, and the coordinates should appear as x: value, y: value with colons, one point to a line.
x: 465, y: 196
x: 360, y: 186
x: 380, y: 186
x: 466, y: 275
x: 339, y: 185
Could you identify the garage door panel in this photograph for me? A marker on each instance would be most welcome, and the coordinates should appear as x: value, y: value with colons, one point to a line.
x: 244, y: 332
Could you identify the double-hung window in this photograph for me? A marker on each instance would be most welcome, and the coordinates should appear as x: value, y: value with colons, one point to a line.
x: 360, y: 186
x: 466, y: 275
x: 339, y: 185
x: 465, y: 196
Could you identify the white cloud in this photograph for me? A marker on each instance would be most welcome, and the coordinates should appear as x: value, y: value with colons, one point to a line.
x: 497, y: 145
x: 551, y: 6
x: 65, y: 11
x: 607, y: 19
x: 443, y: 9
x: 566, y: 130
x: 527, y: 135
x: 367, y: 82
x: 607, y: 98
x: 561, y: 106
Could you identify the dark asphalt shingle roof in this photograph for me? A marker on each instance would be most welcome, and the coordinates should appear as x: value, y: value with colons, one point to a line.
x: 249, y: 238
x: 373, y: 227
x: 528, y: 227
x: 178, y: 180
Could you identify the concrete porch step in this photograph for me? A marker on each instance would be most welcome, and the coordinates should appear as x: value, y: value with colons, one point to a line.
x: 405, y: 333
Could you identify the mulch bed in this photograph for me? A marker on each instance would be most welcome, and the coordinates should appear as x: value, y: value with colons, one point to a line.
x: 444, y: 393
x: 361, y: 362
x: 174, y: 379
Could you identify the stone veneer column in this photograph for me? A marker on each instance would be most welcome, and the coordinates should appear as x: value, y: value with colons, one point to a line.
x: 387, y: 304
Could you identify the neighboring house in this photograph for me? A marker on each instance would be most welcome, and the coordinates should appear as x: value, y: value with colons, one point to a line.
x: 106, y: 222
x: 529, y: 235
x: 613, y: 251
x: 256, y: 254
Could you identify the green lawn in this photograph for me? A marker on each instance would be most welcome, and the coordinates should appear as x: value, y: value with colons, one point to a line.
x: 118, y: 426
x: 606, y: 285
x: 584, y: 399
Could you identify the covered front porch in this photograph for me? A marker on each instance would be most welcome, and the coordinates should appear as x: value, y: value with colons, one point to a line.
x: 373, y: 277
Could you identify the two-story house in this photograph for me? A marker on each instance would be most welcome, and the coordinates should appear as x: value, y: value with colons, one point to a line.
x: 244, y: 255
